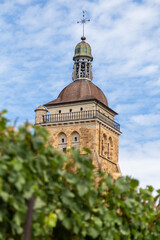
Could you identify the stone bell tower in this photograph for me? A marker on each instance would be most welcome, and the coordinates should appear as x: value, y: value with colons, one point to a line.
x: 81, y: 117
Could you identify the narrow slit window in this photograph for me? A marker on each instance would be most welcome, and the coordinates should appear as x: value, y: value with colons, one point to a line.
x: 59, y: 111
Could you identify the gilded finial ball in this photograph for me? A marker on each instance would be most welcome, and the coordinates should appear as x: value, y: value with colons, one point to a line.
x: 83, y: 38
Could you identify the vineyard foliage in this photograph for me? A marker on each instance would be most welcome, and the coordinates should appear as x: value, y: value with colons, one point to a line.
x: 72, y: 200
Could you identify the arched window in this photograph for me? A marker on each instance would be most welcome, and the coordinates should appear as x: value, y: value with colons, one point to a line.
x: 76, y: 140
x: 107, y: 147
x: 110, y: 148
x: 62, y: 142
x: 104, y: 145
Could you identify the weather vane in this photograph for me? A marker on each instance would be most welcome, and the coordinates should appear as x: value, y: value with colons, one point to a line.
x: 83, y: 21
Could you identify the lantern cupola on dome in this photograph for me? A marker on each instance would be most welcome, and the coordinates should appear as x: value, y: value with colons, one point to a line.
x: 82, y: 62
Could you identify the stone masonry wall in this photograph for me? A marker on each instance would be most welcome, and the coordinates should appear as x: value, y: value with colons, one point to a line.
x: 91, y: 135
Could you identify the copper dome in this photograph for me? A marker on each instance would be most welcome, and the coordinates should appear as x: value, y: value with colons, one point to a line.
x: 78, y: 91
x: 83, y: 49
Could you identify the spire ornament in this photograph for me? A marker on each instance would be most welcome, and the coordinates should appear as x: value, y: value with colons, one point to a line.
x: 83, y: 21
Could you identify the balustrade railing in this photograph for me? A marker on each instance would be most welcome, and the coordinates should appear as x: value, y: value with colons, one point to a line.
x: 82, y: 115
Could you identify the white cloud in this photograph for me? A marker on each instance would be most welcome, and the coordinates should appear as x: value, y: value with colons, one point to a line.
x: 142, y: 163
x: 147, y: 119
x: 23, y: 2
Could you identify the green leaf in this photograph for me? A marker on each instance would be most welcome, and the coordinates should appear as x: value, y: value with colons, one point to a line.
x: 4, y: 196
x: 158, y: 191
x: 93, y: 232
x: 67, y: 223
x: 51, y: 220
x: 121, y: 186
x: 17, y: 218
x: 130, y: 202
x: 87, y: 215
x: 39, y: 203
x: 92, y: 198
x: 76, y: 229
x: 109, y: 181
x: 45, y: 176
x: 150, y: 188
x: 20, y: 182
x: 61, y: 216
x: 17, y: 164
x: 124, y: 230
x: 19, y: 230
x: 37, y: 142
x: 67, y: 201
x: 67, y: 193
x: 82, y: 189
x: 87, y: 150
x: 72, y: 179
x: 134, y: 183
x: 97, y: 222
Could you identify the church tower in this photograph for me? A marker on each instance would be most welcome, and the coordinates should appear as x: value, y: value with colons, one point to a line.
x: 81, y: 117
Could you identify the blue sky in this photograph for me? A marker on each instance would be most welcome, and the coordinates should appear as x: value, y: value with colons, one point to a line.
x: 37, y: 40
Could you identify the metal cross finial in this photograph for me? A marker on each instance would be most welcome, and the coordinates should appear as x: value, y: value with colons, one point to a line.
x: 83, y: 20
